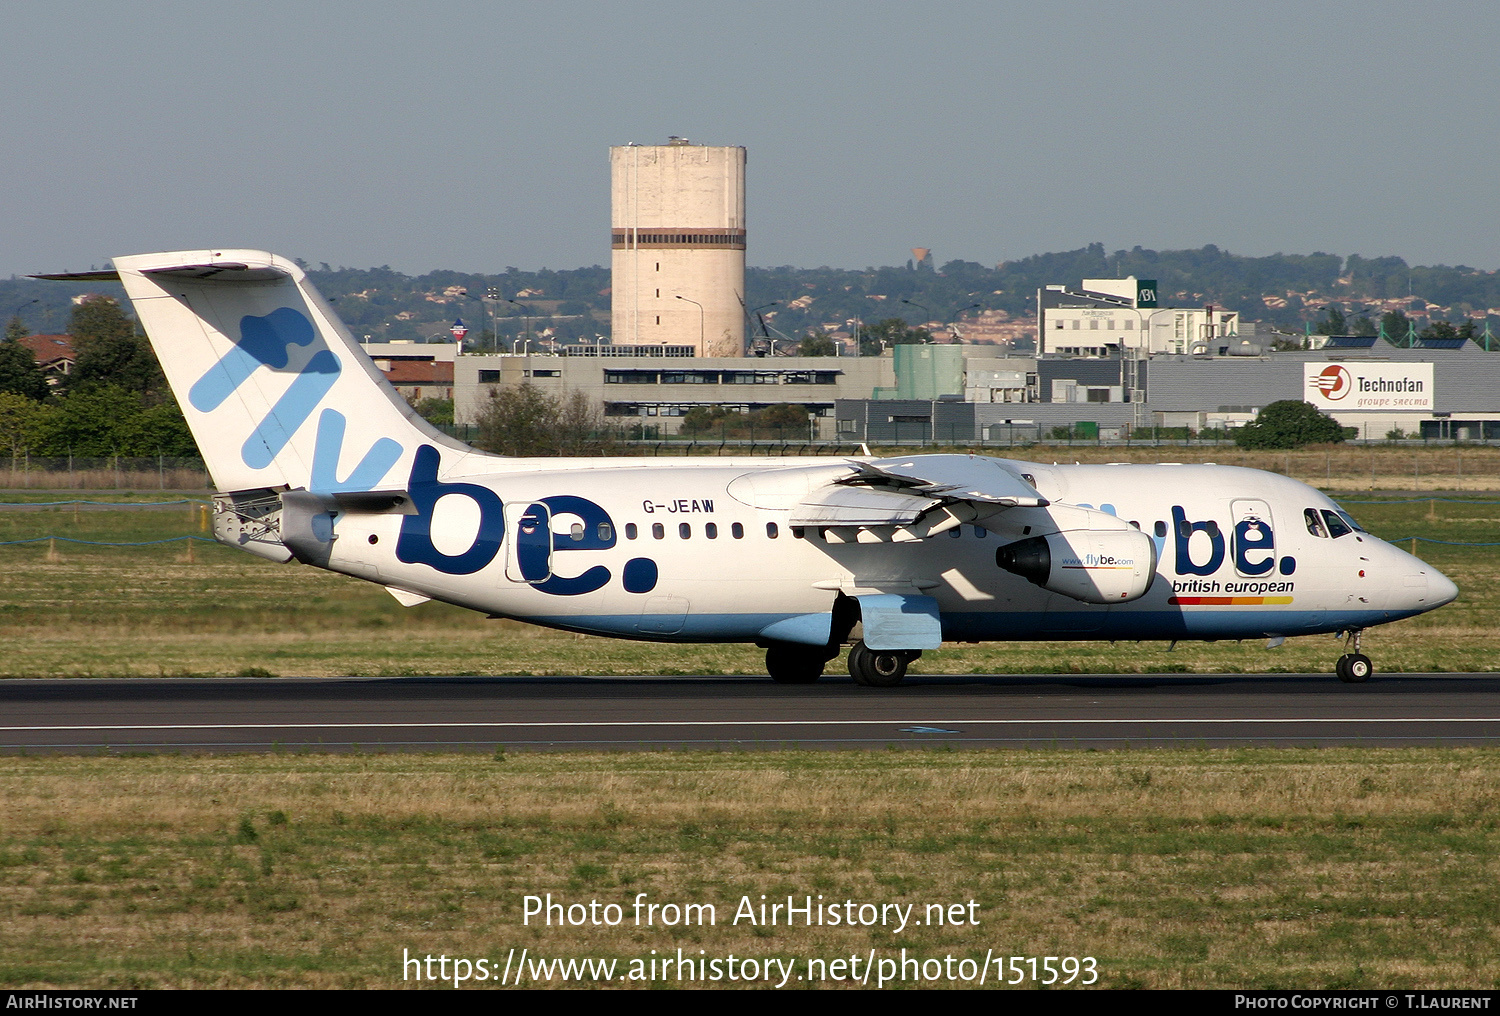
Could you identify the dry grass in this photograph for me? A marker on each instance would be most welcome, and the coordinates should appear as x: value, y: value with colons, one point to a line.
x: 1175, y: 869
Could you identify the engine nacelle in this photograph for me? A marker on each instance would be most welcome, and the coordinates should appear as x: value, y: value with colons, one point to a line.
x: 1114, y: 566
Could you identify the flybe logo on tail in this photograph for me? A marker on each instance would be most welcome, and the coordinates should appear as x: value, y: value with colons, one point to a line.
x: 267, y: 341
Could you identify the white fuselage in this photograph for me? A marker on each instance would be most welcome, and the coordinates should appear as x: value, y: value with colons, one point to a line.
x: 701, y: 550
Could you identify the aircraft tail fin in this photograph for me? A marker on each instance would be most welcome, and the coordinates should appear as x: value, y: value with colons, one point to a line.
x: 276, y: 391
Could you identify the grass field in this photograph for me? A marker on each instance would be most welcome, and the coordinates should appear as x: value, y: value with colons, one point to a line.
x: 75, y: 610
x: 1228, y: 868
x: 1247, y: 868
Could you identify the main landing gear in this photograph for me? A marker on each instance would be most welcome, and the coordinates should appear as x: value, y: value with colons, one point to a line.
x: 879, y: 668
x: 797, y: 664
x: 1355, y: 667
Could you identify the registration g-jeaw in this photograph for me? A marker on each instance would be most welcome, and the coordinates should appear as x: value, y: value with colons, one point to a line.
x: 318, y: 460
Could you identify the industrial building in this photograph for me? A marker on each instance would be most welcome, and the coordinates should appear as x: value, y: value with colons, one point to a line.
x: 655, y: 391
x: 1437, y: 393
x: 1104, y: 316
x: 677, y: 239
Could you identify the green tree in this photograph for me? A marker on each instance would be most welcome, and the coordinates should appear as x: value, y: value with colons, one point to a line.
x: 526, y: 421
x: 1438, y: 330
x: 1396, y: 328
x: 110, y: 352
x: 701, y: 419
x: 890, y: 332
x: 19, y: 371
x: 438, y: 412
x: 1364, y: 326
x: 817, y: 344
x: 1332, y: 322
x: 1290, y: 423
x: 21, y: 423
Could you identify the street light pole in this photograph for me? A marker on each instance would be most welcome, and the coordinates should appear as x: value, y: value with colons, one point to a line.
x: 695, y: 303
x: 953, y: 322
x: 17, y: 312
x: 525, y: 323
x: 916, y: 304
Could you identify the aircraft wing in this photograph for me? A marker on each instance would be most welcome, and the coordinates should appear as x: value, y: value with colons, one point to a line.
x: 1081, y: 552
x: 913, y: 497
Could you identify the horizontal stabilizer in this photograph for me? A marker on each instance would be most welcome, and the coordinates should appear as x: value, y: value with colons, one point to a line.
x: 105, y: 276
x: 222, y: 271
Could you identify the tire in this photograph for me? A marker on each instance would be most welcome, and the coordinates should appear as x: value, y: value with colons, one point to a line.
x: 1359, y: 668
x: 878, y: 668
x: 1341, y: 668
x: 787, y: 665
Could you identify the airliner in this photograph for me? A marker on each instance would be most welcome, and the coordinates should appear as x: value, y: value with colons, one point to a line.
x: 318, y: 460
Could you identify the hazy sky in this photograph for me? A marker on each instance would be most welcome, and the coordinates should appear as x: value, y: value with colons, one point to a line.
x: 473, y: 135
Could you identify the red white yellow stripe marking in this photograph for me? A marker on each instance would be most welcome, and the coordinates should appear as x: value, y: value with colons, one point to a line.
x: 1229, y: 601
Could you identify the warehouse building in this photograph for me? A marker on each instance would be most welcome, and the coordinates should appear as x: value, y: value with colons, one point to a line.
x: 652, y: 387
x: 1376, y: 389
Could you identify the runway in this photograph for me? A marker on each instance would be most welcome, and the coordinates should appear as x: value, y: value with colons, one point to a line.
x: 654, y: 713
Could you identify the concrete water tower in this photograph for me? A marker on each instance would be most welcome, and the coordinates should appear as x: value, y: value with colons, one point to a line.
x: 677, y: 214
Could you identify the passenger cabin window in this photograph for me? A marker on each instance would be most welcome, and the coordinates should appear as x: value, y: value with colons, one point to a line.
x: 658, y: 531
x: 798, y: 532
x: 771, y: 530
x: 1336, y: 526
x: 737, y: 531
x: 1160, y: 529
x: 630, y: 530
x: 955, y: 532
x: 1314, y: 523
x: 710, y: 530
x: 684, y: 530
x: 576, y: 531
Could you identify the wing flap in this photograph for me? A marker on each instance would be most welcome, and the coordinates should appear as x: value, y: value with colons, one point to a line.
x: 912, y: 498
x: 840, y: 505
x: 952, y: 477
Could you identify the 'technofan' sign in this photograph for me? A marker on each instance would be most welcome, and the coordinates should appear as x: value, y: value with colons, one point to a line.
x: 1365, y: 386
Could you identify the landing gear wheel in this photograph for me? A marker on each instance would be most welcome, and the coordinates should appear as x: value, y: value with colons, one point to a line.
x: 882, y: 668
x: 787, y: 665
x: 1354, y: 668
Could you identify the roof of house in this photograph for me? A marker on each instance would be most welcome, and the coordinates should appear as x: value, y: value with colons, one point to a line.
x: 50, y: 348
x: 420, y: 372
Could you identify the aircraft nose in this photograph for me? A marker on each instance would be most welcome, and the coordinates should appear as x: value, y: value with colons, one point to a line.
x: 1427, y: 589
x: 1440, y: 588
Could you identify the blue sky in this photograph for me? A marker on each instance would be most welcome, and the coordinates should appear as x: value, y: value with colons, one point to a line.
x: 475, y: 135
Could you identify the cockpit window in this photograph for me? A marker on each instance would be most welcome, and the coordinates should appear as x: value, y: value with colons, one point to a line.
x: 1314, y: 523
x: 1352, y: 524
x: 1336, y: 525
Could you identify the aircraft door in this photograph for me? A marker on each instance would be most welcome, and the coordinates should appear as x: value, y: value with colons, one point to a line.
x: 528, y: 544
x: 1254, y: 538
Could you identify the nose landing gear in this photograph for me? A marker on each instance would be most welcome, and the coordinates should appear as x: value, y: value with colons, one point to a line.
x: 1354, y: 667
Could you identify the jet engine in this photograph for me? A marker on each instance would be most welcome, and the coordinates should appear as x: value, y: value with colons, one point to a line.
x: 1096, y: 567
